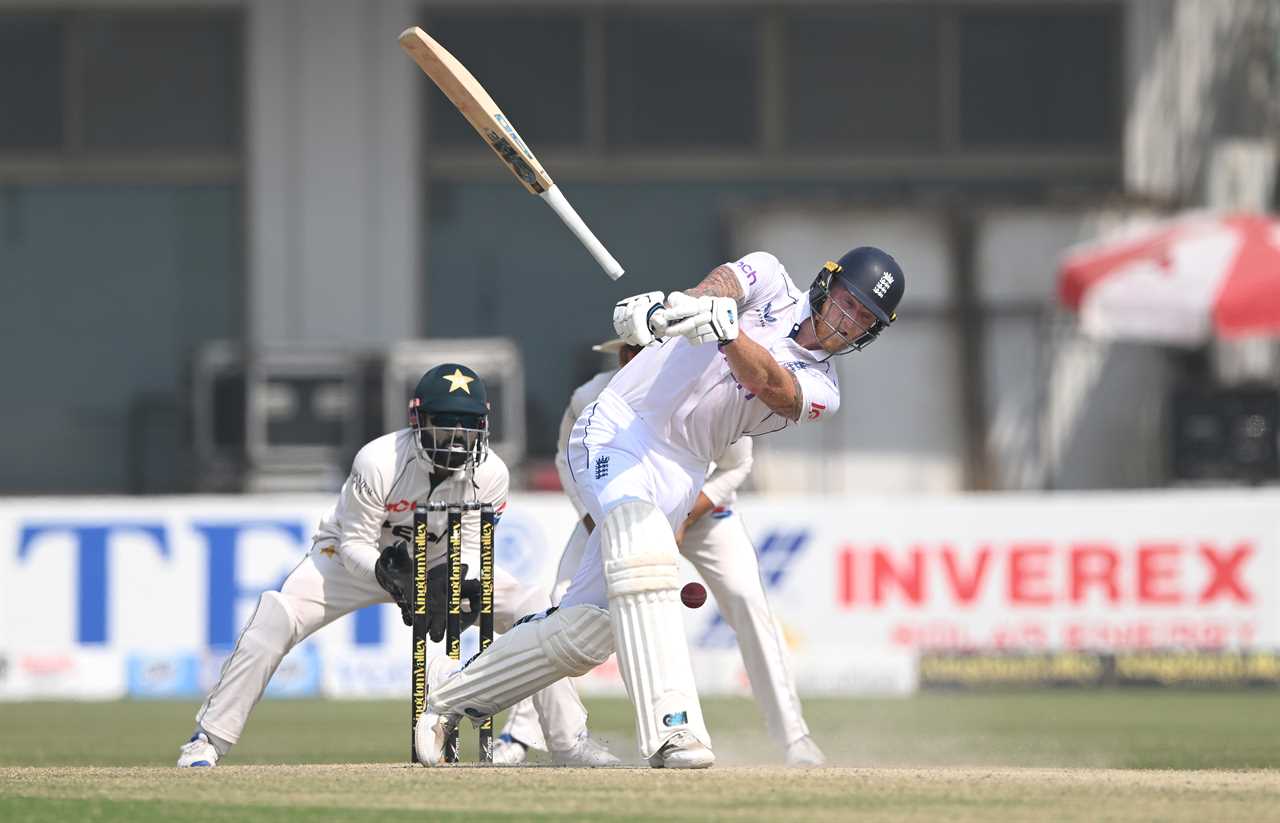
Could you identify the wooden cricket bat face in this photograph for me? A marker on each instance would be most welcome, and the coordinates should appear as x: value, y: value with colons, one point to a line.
x: 475, y: 104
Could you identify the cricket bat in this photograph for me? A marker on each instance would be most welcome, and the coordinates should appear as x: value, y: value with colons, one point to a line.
x: 470, y: 98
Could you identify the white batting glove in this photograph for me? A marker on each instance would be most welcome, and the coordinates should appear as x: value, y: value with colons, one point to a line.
x: 715, y: 319
x: 631, y: 318
x: 678, y: 308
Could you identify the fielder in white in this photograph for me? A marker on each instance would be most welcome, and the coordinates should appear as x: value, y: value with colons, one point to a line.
x: 715, y: 540
x: 742, y: 353
x: 359, y: 557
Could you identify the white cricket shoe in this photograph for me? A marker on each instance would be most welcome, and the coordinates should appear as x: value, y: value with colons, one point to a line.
x: 682, y: 751
x: 803, y: 753
x: 197, y: 751
x: 507, y: 751
x: 586, y: 753
x: 431, y: 730
x: 429, y: 735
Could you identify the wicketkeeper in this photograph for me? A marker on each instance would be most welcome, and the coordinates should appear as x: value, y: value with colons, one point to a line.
x: 360, y: 556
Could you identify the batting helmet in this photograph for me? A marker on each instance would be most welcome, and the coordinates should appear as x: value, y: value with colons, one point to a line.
x: 869, y: 274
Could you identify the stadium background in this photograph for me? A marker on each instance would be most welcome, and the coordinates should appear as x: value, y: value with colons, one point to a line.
x: 269, y: 194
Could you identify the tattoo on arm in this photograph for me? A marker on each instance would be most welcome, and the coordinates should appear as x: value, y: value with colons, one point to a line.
x: 721, y: 282
x: 797, y: 405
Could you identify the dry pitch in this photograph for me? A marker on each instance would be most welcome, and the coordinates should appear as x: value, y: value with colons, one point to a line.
x: 1023, y: 756
x: 374, y: 791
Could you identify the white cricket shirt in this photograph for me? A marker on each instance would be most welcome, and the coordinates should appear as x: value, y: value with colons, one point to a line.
x: 687, y: 394
x: 375, y: 507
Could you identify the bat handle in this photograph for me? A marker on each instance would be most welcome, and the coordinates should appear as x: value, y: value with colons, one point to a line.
x: 556, y: 200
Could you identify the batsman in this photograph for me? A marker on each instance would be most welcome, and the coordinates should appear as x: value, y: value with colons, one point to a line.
x: 745, y: 352
x: 360, y: 556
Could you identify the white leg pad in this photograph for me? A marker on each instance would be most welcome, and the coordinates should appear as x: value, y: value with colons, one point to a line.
x: 566, y: 643
x: 639, y: 553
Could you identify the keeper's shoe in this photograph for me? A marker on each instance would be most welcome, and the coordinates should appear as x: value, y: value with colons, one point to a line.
x: 197, y: 751
x: 507, y: 751
x: 682, y: 751
x: 586, y: 753
x: 803, y: 753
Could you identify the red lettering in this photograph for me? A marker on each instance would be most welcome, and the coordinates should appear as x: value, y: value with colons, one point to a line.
x: 1157, y: 567
x: 1223, y: 569
x: 844, y: 576
x: 909, y: 581
x: 1028, y: 569
x: 964, y: 588
x: 399, y: 506
x: 1094, y: 564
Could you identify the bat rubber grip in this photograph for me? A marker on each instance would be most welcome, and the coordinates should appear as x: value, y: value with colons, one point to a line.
x: 556, y: 200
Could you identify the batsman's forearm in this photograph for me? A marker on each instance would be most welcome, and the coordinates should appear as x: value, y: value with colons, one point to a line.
x: 761, y: 375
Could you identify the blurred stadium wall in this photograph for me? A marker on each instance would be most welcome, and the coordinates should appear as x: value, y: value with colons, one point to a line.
x: 275, y: 171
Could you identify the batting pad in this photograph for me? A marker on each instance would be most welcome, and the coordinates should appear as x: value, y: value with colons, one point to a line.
x: 639, y: 553
x: 533, y: 655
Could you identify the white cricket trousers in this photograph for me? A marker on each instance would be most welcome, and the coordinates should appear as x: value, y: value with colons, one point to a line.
x: 720, y: 549
x: 320, y: 590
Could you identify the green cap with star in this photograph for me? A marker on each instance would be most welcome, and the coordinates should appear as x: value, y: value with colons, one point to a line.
x: 450, y: 388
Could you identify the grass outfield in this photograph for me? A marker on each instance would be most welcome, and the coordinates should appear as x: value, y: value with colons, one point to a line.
x: 1065, y: 755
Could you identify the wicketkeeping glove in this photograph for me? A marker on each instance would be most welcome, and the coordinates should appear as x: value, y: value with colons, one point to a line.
x: 437, y: 592
x: 394, y: 573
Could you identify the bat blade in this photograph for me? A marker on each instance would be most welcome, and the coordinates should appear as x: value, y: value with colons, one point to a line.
x: 475, y: 104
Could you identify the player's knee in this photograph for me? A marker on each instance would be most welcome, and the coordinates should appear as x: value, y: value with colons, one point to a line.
x: 578, y: 638
x: 639, y: 550
x: 274, y: 623
x: 635, y: 526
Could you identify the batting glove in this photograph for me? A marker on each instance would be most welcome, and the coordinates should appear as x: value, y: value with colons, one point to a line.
x: 714, y: 320
x: 632, y: 318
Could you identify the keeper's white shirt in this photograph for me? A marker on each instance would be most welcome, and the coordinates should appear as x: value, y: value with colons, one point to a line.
x: 375, y: 507
x: 687, y: 394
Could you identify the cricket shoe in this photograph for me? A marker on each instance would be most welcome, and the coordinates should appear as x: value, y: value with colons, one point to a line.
x: 507, y: 751
x: 682, y: 751
x: 586, y: 753
x: 197, y: 751
x: 429, y: 736
x: 803, y: 753
x: 432, y: 730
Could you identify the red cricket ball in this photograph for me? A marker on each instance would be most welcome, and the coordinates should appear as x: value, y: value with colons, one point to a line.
x: 693, y: 595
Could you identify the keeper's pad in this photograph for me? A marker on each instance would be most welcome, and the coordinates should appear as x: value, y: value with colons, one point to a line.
x: 533, y: 655
x: 639, y: 553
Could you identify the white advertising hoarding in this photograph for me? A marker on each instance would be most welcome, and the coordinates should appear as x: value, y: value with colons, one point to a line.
x: 101, y: 597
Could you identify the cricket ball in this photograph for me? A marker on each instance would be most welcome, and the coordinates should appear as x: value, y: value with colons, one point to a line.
x: 693, y: 595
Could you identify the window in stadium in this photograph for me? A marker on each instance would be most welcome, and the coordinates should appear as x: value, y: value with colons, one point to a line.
x: 1040, y: 78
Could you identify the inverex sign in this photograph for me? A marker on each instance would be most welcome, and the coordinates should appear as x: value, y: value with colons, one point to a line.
x: 1071, y: 571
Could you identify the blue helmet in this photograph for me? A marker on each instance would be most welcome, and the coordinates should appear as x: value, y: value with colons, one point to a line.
x: 872, y: 276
